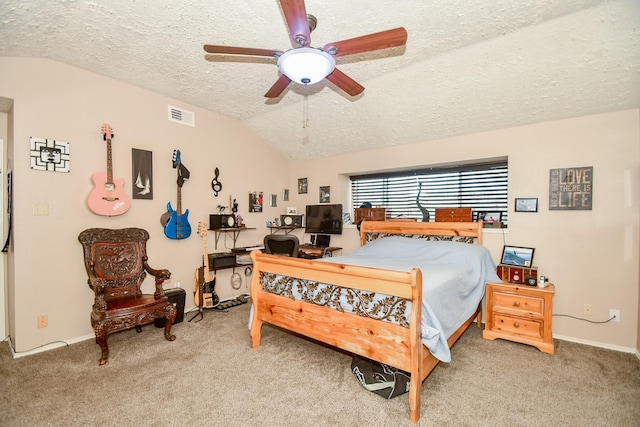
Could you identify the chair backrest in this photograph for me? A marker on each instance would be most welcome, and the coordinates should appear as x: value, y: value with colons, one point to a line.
x: 278, y: 244
x: 117, y: 257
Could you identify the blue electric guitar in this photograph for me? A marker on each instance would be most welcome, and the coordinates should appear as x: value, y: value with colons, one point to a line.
x: 176, y: 223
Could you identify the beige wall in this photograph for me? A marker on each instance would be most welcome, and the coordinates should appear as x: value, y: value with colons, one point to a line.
x: 68, y: 104
x: 592, y: 256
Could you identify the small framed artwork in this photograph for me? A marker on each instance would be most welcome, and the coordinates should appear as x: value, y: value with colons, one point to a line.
x: 142, y: 174
x: 255, y: 201
x: 273, y: 200
x: 325, y: 194
x: 486, y: 216
x: 517, y: 255
x: 292, y: 210
x: 303, y: 185
x: 285, y: 195
x: 49, y: 155
x: 526, y: 204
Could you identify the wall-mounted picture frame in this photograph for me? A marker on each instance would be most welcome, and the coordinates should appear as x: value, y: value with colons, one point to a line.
x: 303, y: 185
x: 291, y: 210
x: 526, y: 204
x: 255, y: 201
x: 285, y: 195
x: 325, y: 194
x: 273, y: 200
x: 142, y: 174
x: 517, y: 255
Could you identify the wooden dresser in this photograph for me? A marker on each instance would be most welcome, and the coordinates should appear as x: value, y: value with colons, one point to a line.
x: 370, y: 214
x: 454, y: 215
x: 520, y: 313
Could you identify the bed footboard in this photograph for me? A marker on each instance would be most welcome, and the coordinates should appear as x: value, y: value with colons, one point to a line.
x: 386, y: 342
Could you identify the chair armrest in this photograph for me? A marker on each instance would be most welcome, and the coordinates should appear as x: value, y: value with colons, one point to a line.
x: 161, y: 275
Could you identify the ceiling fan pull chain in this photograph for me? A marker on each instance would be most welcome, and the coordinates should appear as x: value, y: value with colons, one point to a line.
x: 305, y: 112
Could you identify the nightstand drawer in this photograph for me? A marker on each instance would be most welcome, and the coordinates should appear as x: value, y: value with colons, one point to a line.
x: 524, y: 303
x: 517, y: 325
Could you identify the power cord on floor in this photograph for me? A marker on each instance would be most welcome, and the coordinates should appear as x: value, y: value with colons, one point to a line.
x: 66, y: 344
x: 586, y: 320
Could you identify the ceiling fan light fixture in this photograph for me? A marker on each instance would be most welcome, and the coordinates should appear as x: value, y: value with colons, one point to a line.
x: 306, y: 65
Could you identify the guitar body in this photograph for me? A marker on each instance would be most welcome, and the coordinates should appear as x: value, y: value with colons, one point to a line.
x: 205, y: 291
x: 108, y: 203
x: 178, y: 226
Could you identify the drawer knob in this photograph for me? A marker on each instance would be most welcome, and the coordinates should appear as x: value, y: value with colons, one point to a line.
x: 516, y: 325
x: 516, y: 304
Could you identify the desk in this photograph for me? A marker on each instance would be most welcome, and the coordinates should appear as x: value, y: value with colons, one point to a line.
x: 313, y: 252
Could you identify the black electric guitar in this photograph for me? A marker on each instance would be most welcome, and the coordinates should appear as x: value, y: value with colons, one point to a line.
x: 204, y: 292
x: 176, y: 224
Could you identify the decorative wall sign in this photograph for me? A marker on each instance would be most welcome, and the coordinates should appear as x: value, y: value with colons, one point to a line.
x: 49, y: 155
x: 142, y: 174
x: 571, y: 188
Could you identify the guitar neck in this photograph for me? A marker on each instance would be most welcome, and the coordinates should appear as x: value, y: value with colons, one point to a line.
x: 179, y: 200
x: 205, y: 256
x: 109, y: 163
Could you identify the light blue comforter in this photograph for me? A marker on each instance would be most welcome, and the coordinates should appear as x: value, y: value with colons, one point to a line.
x: 453, y: 275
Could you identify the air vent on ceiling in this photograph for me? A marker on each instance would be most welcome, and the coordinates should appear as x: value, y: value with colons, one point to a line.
x: 178, y: 115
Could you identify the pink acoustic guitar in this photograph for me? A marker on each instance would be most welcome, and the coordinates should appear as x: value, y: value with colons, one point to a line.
x: 108, y: 197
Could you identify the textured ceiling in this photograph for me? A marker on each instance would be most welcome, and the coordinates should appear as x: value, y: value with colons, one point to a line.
x: 468, y: 66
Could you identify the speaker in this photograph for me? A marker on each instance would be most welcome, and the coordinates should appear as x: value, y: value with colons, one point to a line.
x: 291, y: 220
x: 216, y: 222
x: 176, y: 297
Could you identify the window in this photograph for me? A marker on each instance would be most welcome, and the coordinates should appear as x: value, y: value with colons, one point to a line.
x: 481, y: 186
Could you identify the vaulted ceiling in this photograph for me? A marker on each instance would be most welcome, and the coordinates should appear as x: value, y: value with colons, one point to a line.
x: 468, y: 66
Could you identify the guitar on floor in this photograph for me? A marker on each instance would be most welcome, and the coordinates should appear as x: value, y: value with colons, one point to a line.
x: 108, y: 197
x: 176, y: 224
x: 204, y: 292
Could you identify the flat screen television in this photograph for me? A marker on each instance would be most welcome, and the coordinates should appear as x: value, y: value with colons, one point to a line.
x: 325, y: 219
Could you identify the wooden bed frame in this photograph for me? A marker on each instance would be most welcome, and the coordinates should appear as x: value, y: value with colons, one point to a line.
x: 385, y: 342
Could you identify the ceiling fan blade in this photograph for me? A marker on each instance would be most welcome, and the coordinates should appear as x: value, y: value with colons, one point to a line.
x: 278, y: 87
x: 295, y: 13
x: 345, y: 82
x: 230, y: 50
x: 375, y: 41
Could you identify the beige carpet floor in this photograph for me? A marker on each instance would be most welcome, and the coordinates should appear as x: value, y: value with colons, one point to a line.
x: 211, y: 376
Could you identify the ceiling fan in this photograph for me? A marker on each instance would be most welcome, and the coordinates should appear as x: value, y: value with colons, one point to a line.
x: 307, y: 65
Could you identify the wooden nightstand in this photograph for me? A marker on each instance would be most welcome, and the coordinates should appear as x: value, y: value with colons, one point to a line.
x: 520, y: 313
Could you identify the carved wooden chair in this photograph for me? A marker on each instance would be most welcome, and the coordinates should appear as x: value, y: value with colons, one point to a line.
x: 116, y: 263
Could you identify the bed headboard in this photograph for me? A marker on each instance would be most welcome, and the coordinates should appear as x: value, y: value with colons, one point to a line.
x: 466, y: 232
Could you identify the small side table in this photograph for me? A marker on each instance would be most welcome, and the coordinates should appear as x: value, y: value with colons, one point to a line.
x: 520, y: 313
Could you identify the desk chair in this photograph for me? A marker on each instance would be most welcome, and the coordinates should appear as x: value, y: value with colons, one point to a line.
x: 285, y: 245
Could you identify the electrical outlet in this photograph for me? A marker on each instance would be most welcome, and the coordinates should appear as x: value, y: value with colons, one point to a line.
x: 587, y: 310
x: 43, y: 321
x: 614, y: 315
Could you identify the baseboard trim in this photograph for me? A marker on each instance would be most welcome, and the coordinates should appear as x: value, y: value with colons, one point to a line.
x: 598, y: 344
